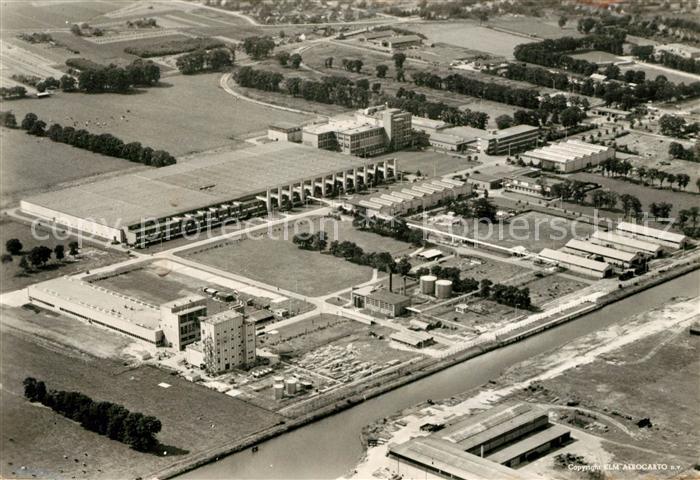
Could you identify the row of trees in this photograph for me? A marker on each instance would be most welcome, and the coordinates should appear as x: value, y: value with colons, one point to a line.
x: 202, y: 60
x: 106, y: 418
x: 105, y: 143
x: 396, y: 228
x: 284, y: 59
x: 679, y: 151
x: 11, y: 93
x: 653, y: 174
x: 311, y: 241
x: 258, y: 47
x: 353, y: 253
x: 480, y: 208
x: 417, y: 104
x: 456, y: 83
x: 118, y: 79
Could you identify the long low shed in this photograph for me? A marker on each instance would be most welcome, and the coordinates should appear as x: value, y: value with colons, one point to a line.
x: 649, y: 234
x: 575, y: 263
x: 628, y: 244
x: 611, y: 255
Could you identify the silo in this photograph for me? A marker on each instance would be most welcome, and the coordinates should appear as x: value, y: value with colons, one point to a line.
x: 443, y: 289
x: 290, y: 386
x: 427, y: 284
x: 278, y: 388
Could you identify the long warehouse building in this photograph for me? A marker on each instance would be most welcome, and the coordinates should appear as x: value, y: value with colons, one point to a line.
x: 610, y: 255
x: 577, y: 264
x: 568, y: 156
x: 654, y: 235
x: 628, y: 244
x: 162, y: 203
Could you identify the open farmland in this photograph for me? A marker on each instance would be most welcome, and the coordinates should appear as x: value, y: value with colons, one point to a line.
x: 51, y: 446
x: 19, y: 16
x: 276, y: 261
x: 535, y: 26
x: 652, y: 71
x: 11, y: 275
x: 165, y: 117
x: 470, y: 35
x: 32, y: 165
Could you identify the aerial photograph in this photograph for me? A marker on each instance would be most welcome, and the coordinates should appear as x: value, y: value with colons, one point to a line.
x: 350, y: 239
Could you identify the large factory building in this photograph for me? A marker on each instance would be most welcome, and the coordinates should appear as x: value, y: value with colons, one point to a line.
x: 163, y: 203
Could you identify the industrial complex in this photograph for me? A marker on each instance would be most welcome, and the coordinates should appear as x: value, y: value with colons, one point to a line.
x: 569, y: 156
x: 486, y: 445
x: 163, y: 203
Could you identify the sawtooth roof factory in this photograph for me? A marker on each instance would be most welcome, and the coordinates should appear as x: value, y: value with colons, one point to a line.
x: 159, y: 204
x: 568, y: 156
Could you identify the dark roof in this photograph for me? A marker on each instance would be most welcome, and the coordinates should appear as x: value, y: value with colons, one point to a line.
x: 388, y: 297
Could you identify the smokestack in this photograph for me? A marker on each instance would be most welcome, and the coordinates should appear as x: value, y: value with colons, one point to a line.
x: 391, y: 279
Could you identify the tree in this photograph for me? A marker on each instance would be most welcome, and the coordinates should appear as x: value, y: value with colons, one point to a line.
x: 258, y: 47
x: 400, y: 75
x: 404, y: 266
x: 571, y: 116
x: 8, y: 119
x: 24, y: 265
x: 38, y: 256
x: 399, y: 59
x: 295, y: 60
x: 29, y: 120
x: 73, y: 248
x: 283, y: 58
x: 6, y: 258
x: 328, y: 62
x: 562, y: 21
x: 59, y: 252
x: 661, y: 209
x: 14, y: 246
x: 671, y: 125
x: 504, y: 121
x: 484, y: 210
x: 381, y: 71
x: 38, y: 128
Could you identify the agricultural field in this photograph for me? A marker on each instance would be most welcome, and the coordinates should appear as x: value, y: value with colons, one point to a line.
x: 53, y: 14
x: 32, y: 165
x: 541, y: 27
x: 11, y: 275
x: 162, y: 117
x: 472, y: 36
x: 276, y: 261
x: 47, y: 444
x: 596, y: 56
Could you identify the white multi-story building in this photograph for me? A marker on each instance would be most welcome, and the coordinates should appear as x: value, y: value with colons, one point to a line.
x: 227, y: 341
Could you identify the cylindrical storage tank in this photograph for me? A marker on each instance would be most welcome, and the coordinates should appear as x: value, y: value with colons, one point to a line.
x: 277, y: 379
x: 290, y: 386
x: 427, y: 284
x: 278, y: 388
x: 443, y: 289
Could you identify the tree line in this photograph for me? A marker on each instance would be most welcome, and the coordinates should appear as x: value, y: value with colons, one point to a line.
x: 105, y: 418
x: 676, y: 150
x: 38, y: 256
x: 104, y: 143
x: 418, y: 104
x: 112, y: 78
x: 202, y: 61
x: 12, y: 93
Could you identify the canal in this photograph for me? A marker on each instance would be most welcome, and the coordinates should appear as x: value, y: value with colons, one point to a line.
x: 331, y: 447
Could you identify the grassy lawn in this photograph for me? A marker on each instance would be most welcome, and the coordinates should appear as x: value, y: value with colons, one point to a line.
x: 370, y: 242
x: 540, y: 27
x: 647, y: 195
x: 51, y: 446
x: 481, y: 267
x: 429, y: 162
x: 43, y: 15
x: 532, y: 230
x: 32, y: 165
x: 281, y: 263
x: 12, y: 277
x: 162, y: 117
x: 546, y: 289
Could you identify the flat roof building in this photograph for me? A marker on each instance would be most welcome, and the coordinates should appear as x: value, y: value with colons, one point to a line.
x: 568, y: 156
x: 654, y: 235
x: 227, y: 341
x: 628, y: 244
x: 428, y: 125
x: 157, y: 325
x: 576, y: 263
x: 448, y: 142
x: 680, y: 49
x: 284, y: 132
x: 413, y: 339
x: 401, y: 41
x: 162, y: 203
x: 610, y: 255
x: 380, y: 301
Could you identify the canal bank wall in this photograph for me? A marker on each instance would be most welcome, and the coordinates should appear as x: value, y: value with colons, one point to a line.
x: 422, y: 369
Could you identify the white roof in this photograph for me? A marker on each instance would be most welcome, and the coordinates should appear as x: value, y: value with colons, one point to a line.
x: 411, y: 338
x: 640, y: 245
x: 589, y: 247
x: 432, y: 253
x: 568, y: 258
x: 567, y: 151
x: 651, y: 232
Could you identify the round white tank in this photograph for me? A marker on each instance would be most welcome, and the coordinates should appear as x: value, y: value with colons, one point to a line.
x: 443, y: 289
x: 290, y: 386
x: 277, y: 379
x: 427, y: 284
x: 278, y: 388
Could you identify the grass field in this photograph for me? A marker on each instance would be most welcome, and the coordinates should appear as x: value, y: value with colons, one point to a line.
x: 532, y: 230
x: 11, y: 275
x: 596, y: 56
x: 280, y: 263
x: 647, y: 195
x: 53, y: 14
x: 536, y: 26
x: 481, y: 267
x: 652, y: 72
x: 50, y: 446
x: 32, y: 165
x: 187, y: 114
x: 430, y: 163
x: 470, y: 35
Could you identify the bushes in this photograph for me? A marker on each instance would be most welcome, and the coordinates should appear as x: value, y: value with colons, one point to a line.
x: 118, y: 79
x: 113, y: 420
x: 175, y: 46
x: 13, y: 92
x: 105, y: 143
